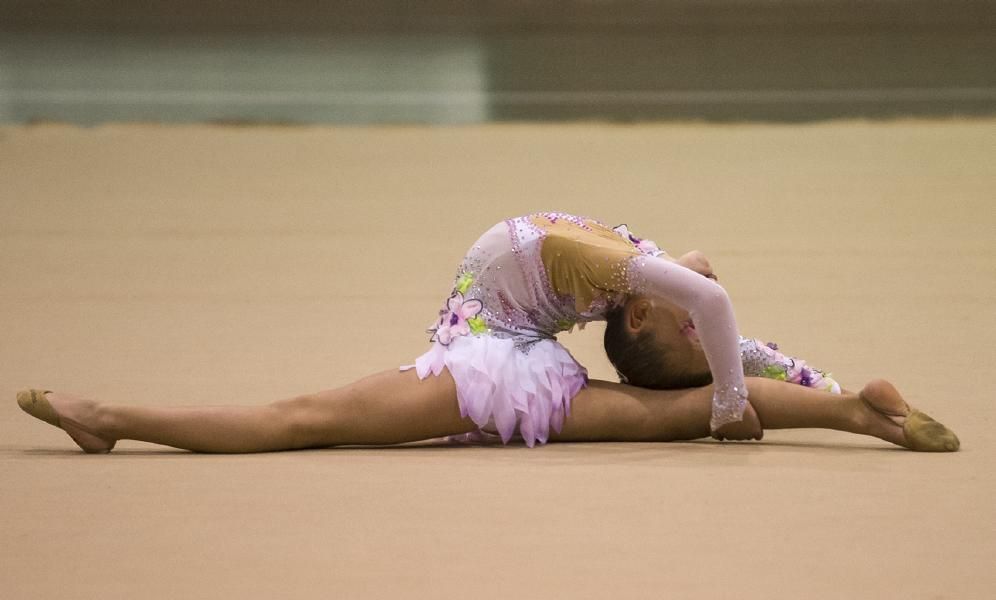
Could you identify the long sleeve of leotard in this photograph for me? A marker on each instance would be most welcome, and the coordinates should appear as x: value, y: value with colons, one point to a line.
x: 763, y: 359
x: 712, y: 314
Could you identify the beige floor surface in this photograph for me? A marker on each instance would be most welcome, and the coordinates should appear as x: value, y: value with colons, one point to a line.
x: 152, y: 264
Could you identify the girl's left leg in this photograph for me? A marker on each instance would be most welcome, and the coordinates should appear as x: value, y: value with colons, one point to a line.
x: 607, y: 411
x: 388, y: 408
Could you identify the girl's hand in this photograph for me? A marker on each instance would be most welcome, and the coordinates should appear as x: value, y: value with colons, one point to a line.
x: 747, y: 429
x: 696, y: 261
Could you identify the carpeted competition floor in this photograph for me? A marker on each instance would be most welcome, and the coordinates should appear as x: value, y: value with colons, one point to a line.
x: 194, y: 265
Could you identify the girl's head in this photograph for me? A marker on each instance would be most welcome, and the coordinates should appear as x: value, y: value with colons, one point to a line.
x: 652, y: 344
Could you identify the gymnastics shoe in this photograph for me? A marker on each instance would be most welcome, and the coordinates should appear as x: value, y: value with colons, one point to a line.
x: 37, y: 405
x: 921, y: 432
x: 924, y: 434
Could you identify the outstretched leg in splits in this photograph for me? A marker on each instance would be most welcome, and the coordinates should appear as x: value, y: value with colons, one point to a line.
x: 396, y: 407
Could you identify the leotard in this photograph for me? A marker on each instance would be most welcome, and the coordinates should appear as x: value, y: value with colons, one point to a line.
x: 527, y: 279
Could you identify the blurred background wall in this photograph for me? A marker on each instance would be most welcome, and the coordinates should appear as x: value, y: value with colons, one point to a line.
x: 445, y: 61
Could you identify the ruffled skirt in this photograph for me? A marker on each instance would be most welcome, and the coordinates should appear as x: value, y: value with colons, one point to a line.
x: 502, y: 387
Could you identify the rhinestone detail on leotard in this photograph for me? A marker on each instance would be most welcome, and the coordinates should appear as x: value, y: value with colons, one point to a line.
x: 511, y: 281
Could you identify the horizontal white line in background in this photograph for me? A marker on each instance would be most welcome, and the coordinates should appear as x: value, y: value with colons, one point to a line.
x: 389, y: 98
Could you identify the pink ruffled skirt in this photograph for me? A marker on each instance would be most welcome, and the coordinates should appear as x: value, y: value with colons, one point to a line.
x: 503, y: 388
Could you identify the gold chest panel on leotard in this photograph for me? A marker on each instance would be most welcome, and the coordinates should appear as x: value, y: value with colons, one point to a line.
x: 584, y: 262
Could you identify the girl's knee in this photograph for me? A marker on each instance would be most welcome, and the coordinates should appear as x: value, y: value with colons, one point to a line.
x: 301, y: 421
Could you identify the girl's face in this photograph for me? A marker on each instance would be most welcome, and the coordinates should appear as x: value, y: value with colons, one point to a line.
x: 672, y: 327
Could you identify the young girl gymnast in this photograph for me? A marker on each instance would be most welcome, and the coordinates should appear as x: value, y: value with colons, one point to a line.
x: 496, y: 371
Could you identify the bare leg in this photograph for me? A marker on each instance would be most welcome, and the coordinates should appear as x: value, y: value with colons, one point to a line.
x: 388, y: 408
x: 393, y: 407
x: 614, y: 412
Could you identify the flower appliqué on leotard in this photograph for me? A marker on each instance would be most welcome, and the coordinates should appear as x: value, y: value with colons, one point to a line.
x: 763, y: 359
x: 460, y: 316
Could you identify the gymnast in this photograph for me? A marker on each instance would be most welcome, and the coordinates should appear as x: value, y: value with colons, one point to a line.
x: 495, y: 372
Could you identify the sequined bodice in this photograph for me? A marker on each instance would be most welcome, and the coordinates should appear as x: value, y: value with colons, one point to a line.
x: 507, y: 270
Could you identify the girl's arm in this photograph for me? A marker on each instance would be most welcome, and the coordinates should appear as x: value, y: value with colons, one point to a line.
x: 762, y: 359
x: 712, y: 313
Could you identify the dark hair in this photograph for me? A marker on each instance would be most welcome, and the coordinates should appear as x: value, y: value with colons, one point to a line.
x: 643, y: 360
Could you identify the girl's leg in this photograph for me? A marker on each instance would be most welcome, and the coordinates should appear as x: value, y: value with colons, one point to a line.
x: 607, y: 411
x: 388, y: 408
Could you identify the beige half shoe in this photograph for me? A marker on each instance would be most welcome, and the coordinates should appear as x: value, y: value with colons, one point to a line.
x: 37, y: 405
x: 924, y: 434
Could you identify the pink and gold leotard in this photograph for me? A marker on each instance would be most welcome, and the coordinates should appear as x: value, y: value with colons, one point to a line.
x: 527, y: 279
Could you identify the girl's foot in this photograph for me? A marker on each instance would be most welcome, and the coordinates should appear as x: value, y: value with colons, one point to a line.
x: 897, y: 423
x: 75, y: 416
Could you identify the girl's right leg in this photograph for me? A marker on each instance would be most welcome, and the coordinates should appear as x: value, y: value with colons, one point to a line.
x: 388, y: 408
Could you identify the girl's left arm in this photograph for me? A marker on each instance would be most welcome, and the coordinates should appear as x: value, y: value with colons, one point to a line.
x: 763, y: 359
